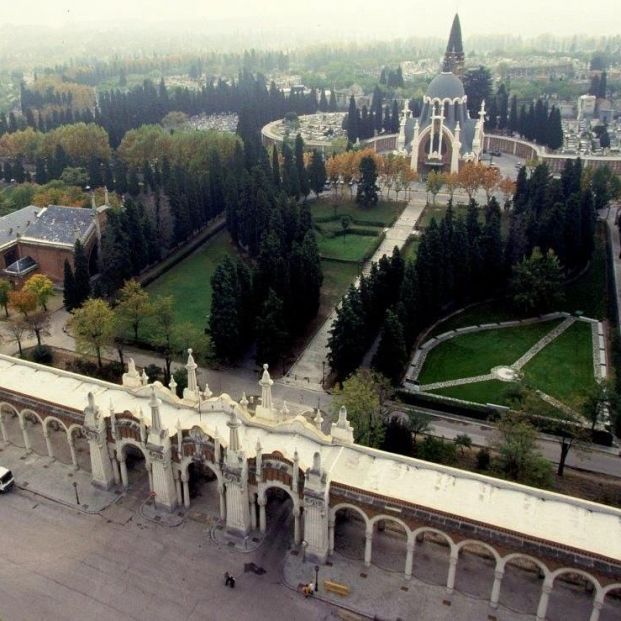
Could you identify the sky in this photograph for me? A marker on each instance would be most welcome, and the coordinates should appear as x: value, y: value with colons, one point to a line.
x: 397, y: 17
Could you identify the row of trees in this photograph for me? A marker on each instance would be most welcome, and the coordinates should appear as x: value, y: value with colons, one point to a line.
x: 363, y: 123
x: 461, y: 260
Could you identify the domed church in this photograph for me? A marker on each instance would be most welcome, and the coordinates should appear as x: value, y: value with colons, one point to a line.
x: 444, y: 136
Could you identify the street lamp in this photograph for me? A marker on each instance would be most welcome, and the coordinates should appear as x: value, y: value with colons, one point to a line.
x: 316, y: 578
x: 304, y: 544
x: 75, y: 489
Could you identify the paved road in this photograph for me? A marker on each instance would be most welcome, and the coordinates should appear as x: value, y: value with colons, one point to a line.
x: 58, y: 564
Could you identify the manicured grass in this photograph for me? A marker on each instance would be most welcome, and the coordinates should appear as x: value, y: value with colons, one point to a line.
x: 476, y: 354
x: 337, y: 277
x: 346, y: 247
x: 564, y: 369
x: 492, y: 391
x: 489, y: 312
x: 189, y: 282
x: 384, y: 212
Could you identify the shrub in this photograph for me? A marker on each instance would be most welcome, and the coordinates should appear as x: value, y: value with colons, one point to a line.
x: 483, y: 459
x: 42, y: 354
x: 436, y: 450
x: 181, y: 378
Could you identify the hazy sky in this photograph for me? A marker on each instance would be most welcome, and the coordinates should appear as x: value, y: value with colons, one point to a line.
x: 417, y: 17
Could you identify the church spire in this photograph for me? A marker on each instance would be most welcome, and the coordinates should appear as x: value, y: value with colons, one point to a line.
x: 454, y: 56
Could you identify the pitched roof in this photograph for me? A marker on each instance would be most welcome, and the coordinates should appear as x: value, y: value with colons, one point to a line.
x: 60, y: 225
x: 16, y: 222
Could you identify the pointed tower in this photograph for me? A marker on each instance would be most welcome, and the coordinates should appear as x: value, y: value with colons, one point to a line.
x: 454, y: 57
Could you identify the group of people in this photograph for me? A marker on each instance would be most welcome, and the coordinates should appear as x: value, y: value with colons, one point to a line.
x: 308, y: 589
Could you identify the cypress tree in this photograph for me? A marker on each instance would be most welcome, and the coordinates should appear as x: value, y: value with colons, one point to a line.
x: 271, y: 335
x: 317, y: 173
x: 81, y: 274
x: 290, y: 179
x: 69, y: 293
x: 352, y: 121
x: 367, y: 188
x: 301, y: 169
x: 391, y: 355
x: 332, y: 107
x: 224, y: 319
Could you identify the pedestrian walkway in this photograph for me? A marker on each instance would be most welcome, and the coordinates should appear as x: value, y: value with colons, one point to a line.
x: 311, y: 367
x: 55, y: 481
x: 543, y: 342
x: 380, y: 594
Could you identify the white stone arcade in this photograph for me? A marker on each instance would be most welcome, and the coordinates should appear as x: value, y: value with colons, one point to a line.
x: 252, y: 448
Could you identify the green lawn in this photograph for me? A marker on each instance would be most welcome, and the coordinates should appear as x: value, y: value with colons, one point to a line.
x: 189, y: 282
x: 476, y: 354
x: 564, y: 369
x: 337, y: 277
x: 492, y: 391
x: 331, y: 207
x: 345, y: 247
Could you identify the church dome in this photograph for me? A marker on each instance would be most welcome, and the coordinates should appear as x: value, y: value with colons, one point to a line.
x: 446, y: 86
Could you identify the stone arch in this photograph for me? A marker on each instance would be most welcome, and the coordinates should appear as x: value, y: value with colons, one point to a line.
x: 121, y: 455
x: 611, y: 608
x: 185, y: 463
x: 262, y: 500
x: 348, y: 536
x: 432, y: 558
x: 34, y: 432
x: 582, y: 598
x: 388, y: 545
x: 475, y: 569
x: 521, y: 586
x: 81, y: 449
x: 10, y: 430
x: 52, y: 426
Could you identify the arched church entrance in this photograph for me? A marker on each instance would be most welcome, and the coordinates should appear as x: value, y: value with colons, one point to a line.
x: 136, y: 467
x: 279, y: 509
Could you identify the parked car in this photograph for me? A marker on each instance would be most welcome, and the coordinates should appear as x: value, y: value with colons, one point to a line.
x: 6, y: 480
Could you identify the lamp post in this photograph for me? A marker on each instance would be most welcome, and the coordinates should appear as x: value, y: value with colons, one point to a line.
x: 304, y: 544
x: 316, y: 578
x: 75, y: 489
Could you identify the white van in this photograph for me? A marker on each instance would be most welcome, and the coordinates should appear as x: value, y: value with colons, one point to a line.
x: 6, y: 480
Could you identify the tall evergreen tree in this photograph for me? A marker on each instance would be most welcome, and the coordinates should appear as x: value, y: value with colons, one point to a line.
x: 81, y: 274
x: 367, y: 186
x: 272, y: 336
x: 391, y: 355
x: 317, y: 173
x: 301, y: 168
x: 69, y: 293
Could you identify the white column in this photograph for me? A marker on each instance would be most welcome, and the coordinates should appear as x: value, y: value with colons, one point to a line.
x: 222, y: 494
x: 498, y: 576
x: 186, y: 490
x: 115, y: 470
x: 48, y: 443
x: 74, y: 457
x: 409, y: 558
x: 253, y: 513
x: 5, y: 437
x: 178, y: 488
x: 22, y: 424
x: 123, y: 464
x: 296, y: 526
x: 368, y: 546
x: 542, y: 609
x: 450, y: 582
x: 149, y: 469
x: 262, y: 502
x: 331, y: 523
x: 598, y: 604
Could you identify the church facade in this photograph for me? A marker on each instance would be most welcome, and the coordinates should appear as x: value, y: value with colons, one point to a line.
x: 444, y: 136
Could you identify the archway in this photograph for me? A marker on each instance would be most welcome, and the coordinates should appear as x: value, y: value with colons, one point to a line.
x: 476, y: 566
x: 35, y: 431
x: 431, y: 556
x: 350, y: 526
x: 10, y: 421
x: 55, y: 434
x: 203, y: 488
x: 276, y: 513
x: 389, y: 547
x: 522, y: 583
x: 81, y: 448
x: 134, y: 467
x: 572, y: 596
x: 611, y: 610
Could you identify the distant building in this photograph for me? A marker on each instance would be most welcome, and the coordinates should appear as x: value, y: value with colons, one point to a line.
x: 39, y: 239
x: 444, y: 136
